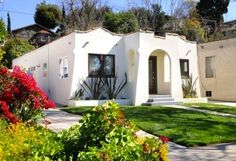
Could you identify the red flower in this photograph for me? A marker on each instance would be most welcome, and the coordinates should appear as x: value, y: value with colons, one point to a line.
x: 7, y: 113
x: 3, y: 70
x: 49, y: 104
x: 164, y: 139
x: 36, y: 103
x: 17, y: 90
x: 8, y: 97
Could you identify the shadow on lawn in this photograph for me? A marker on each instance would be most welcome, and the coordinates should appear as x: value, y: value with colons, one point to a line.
x: 188, y: 128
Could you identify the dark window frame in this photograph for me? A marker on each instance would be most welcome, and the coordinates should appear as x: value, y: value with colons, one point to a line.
x: 101, y: 73
x: 208, y: 93
x: 182, y: 72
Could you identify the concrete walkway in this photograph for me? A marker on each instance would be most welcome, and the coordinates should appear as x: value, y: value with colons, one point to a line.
x: 220, y: 152
x: 223, y: 103
x: 200, y: 110
x: 59, y: 120
x: 223, y: 152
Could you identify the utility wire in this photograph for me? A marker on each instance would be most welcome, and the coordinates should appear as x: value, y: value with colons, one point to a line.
x: 17, y: 12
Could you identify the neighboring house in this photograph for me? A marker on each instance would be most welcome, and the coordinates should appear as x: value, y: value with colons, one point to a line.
x: 36, y: 34
x: 229, y: 28
x: 154, y: 65
x: 217, y: 66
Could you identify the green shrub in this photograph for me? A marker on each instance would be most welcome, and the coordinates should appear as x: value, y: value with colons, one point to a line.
x: 20, y: 142
x: 106, y: 135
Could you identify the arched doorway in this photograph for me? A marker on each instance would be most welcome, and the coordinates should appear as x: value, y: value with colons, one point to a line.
x: 159, y: 75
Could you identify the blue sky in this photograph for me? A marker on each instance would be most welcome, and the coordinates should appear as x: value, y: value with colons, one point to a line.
x: 26, y: 8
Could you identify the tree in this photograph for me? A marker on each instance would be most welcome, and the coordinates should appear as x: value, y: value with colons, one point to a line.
x: 158, y: 17
x: 62, y: 27
x: 47, y: 15
x: 143, y: 16
x: 212, y: 10
x: 192, y: 28
x: 8, y: 24
x: 123, y: 22
x: 14, y: 48
x: 2, y: 52
x: 85, y: 14
x: 3, y: 32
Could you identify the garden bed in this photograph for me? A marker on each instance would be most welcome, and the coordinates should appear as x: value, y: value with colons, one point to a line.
x: 76, y: 103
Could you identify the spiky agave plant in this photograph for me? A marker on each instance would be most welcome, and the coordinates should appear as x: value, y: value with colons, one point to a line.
x: 93, y: 87
x: 112, y: 88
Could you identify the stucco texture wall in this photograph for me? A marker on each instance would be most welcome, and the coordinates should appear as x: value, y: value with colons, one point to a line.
x: 223, y: 85
x: 100, y: 42
x: 171, y: 46
x: 58, y: 89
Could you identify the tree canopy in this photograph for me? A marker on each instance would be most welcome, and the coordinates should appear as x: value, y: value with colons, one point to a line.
x: 150, y: 19
x: 123, y: 22
x: 3, y: 32
x: 212, y: 10
x: 14, y: 48
x: 47, y: 15
x: 158, y: 17
x: 8, y: 23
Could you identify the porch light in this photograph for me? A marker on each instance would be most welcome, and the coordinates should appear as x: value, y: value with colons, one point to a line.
x: 85, y: 44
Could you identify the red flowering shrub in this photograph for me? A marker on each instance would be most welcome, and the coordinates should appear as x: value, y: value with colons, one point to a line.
x: 164, y: 139
x: 20, y: 98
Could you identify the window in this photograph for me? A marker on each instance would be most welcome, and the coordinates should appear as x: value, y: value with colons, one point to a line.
x: 63, y: 65
x: 45, y: 70
x: 31, y: 71
x: 184, y: 67
x: 210, y: 66
x: 101, y: 65
x: 208, y: 93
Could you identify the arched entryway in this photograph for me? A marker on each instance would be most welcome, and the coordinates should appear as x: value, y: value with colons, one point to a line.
x: 159, y: 75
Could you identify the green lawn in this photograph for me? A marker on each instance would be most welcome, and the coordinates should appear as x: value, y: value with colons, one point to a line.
x: 213, y: 107
x: 184, y: 127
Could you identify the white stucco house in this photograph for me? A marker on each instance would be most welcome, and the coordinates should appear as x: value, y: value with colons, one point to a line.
x: 154, y: 65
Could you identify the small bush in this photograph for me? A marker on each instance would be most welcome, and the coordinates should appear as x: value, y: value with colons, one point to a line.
x: 21, y: 142
x: 21, y: 100
x: 106, y: 135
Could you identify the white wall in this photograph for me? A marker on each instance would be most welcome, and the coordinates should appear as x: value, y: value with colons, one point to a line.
x: 98, y: 41
x: 57, y: 89
x: 131, y: 52
x: 175, y: 47
x: 60, y: 88
x: 35, y: 59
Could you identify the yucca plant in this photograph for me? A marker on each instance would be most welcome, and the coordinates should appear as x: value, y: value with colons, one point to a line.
x: 111, y: 86
x: 93, y: 87
x: 189, y: 87
x: 78, y: 94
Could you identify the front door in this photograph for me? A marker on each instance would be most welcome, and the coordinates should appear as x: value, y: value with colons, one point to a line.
x: 152, y: 63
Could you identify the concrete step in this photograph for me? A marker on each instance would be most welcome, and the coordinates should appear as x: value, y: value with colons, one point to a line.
x: 160, y: 103
x: 160, y: 99
x: 156, y: 100
x: 160, y: 96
